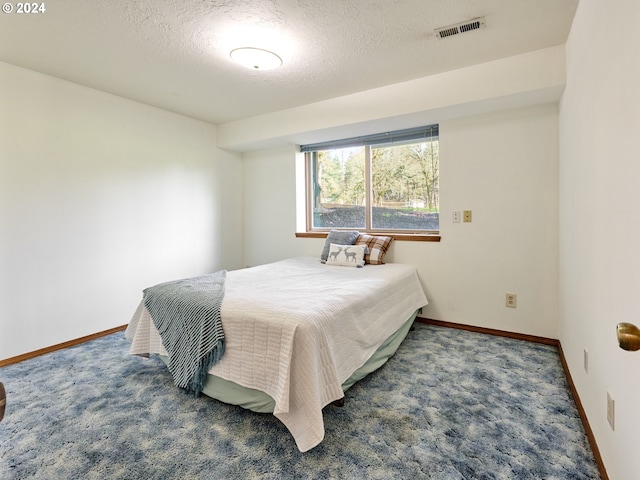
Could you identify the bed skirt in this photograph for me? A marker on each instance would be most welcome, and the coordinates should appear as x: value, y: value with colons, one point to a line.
x: 257, y: 401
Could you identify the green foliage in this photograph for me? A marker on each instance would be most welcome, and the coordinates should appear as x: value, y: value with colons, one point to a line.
x: 340, y: 174
x: 405, y: 176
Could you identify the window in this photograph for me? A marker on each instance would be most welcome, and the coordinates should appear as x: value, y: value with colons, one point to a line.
x: 378, y: 183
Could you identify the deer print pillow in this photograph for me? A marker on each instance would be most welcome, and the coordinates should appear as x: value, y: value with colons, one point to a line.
x: 346, y: 255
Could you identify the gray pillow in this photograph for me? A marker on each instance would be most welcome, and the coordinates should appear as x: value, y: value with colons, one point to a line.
x: 341, y: 237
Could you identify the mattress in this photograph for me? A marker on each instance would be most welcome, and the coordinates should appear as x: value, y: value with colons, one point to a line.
x: 298, y: 329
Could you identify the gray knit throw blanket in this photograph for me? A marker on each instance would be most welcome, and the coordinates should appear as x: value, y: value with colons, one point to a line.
x: 186, y: 313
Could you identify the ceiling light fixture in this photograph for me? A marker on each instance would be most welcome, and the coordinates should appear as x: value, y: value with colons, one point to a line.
x: 256, y: 58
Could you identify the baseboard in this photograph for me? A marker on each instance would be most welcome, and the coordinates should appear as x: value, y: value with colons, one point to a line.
x: 583, y: 416
x: 490, y: 331
x: 547, y: 341
x: 59, y: 346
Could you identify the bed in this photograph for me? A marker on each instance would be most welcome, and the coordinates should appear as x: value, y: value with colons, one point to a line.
x: 298, y: 333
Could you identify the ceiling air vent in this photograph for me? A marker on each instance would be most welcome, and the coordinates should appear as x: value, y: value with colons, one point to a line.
x: 461, y: 27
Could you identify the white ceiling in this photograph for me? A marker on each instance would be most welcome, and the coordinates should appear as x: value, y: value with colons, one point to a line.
x: 174, y: 54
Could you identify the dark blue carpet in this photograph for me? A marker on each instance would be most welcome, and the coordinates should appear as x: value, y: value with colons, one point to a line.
x: 449, y: 405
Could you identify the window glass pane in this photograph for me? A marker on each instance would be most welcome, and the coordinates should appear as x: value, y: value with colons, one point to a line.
x: 405, y: 187
x: 338, y: 188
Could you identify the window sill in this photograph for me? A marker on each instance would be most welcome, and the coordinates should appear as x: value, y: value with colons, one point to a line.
x: 406, y: 237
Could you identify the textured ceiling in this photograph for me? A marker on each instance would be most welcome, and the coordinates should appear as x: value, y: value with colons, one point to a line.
x: 174, y: 54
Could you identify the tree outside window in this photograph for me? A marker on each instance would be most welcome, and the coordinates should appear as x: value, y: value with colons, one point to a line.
x: 388, y: 187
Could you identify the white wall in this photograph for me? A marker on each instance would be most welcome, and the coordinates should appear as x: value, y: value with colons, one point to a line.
x: 599, y: 228
x: 503, y: 167
x: 270, y: 205
x: 531, y: 78
x: 101, y: 197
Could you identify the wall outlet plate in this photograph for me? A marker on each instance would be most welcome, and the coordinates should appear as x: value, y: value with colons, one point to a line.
x: 511, y: 300
x: 456, y: 217
x: 466, y: 216
x: 585, y: 360
x: 611, y: 411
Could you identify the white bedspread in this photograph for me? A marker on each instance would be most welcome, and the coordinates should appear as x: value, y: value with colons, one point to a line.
x: 297, y: 329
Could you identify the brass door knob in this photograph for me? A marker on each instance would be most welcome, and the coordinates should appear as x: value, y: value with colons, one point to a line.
x: 628, y: 336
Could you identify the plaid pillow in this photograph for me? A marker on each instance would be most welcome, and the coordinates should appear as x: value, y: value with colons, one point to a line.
x: 377, y: 246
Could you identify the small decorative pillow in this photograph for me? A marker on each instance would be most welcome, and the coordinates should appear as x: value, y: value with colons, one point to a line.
x: 378, y: 247
x: 340, y: 237
x: 346, y: 255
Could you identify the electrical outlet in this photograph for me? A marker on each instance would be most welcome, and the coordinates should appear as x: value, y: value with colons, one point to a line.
x: 511, y: 300
x: 456, y: 217
x: 466, y: 216
x: 611, y: 411
x: 586, y: 360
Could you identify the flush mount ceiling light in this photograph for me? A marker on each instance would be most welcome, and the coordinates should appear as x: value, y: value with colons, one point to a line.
x: 256, y: 58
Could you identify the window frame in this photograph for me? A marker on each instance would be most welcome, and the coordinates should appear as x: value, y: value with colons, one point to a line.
x: 402, y: 137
